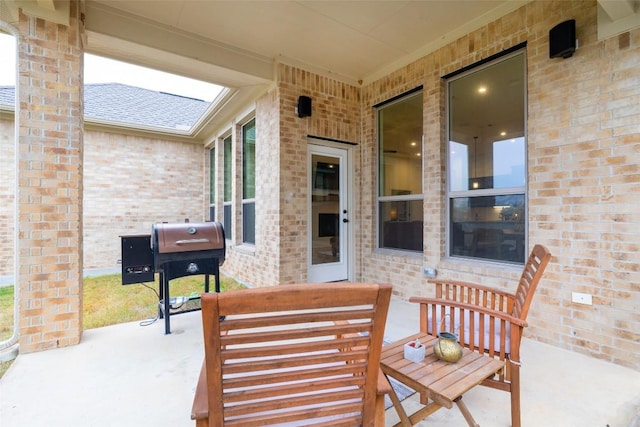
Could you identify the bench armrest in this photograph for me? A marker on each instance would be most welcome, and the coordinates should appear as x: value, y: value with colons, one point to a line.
x: 478, y: 328
x: 471, y: 308
x: 200, y: 408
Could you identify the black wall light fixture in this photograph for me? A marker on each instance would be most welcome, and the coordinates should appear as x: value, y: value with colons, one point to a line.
x: 304, y: 106
x: 562, y: 40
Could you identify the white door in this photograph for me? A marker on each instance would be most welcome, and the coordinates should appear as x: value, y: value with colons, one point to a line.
x: 328, y: 234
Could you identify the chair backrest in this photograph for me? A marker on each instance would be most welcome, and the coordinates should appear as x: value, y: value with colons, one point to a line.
x: 533, y: 269
x: 305, y: 354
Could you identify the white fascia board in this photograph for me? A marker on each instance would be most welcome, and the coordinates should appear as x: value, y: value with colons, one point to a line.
x: 617, y: 16
x: 116, y: 24
x: 617, y: 9
x: 50, y: 10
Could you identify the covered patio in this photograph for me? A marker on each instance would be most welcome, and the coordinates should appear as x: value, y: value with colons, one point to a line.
x: 129, y: 375
x: 581, y: 352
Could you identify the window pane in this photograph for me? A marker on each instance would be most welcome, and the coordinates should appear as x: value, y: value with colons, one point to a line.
x: 212, y: 176
x: 508, y: 163
x: 489, y: 227
x: 400, y: 145
x: 401, y: 225
x: 226, y: 222
x: 249, y: 222
x: 458, y: 166
x: 212, y: 213
x: 486, y: 127
x: 249, y: 160
x: 227, y: 169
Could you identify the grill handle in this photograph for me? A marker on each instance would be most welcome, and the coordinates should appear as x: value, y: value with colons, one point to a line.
x: 189, y: 241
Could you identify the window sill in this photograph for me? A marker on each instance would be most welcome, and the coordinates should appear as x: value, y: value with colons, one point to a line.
x: 408, y: 256
x: 475, y: 265
x: 245, y: 249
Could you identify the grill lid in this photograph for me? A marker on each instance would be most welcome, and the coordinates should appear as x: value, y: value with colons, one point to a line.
x: 188, y: 237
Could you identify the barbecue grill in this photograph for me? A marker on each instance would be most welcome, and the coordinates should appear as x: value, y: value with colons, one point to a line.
x: 174, y: 250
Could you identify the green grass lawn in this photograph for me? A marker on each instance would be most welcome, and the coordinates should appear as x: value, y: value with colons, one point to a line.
x: 107, y: 302
x: 6, y: 312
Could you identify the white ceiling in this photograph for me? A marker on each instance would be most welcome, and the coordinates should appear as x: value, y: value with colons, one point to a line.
x: 238, y: 43
x: 352, y: 40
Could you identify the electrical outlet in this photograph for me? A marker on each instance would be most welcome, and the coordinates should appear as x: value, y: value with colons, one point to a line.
x: 580, y: 298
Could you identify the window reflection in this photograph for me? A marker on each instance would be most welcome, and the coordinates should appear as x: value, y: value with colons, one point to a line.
x: 400, y: 174
x: 508, y: 163
x: 249, y: 182
x: 325, y: 207
x: 487, y: 161
x: 227, y: 208
x: 401, y: 225
x: 488, y: 227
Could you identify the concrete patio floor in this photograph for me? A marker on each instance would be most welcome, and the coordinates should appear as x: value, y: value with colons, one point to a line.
x: 132, y: 375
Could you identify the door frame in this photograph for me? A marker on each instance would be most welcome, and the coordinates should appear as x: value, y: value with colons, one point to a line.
x: 317, y: 146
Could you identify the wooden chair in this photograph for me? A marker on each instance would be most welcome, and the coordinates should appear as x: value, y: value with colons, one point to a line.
x: 487, y: 320
x: 305, y: 354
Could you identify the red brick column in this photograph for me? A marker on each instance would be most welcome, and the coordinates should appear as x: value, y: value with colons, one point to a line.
x: 50, y: 126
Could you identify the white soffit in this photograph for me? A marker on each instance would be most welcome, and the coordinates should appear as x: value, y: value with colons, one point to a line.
x: 352, y: 41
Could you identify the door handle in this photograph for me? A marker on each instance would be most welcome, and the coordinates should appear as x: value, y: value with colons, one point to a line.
x: 345, y: 220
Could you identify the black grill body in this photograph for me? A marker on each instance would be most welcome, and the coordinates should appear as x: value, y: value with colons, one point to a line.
x: 174, y: 250
x: 137, y: 259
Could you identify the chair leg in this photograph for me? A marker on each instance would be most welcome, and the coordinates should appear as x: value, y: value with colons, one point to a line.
x: 383, y: 387
x: 379, y: 417
x: 515, y: 394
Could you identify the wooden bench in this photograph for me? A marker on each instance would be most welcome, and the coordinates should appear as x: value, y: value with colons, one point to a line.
x: 293, y: 352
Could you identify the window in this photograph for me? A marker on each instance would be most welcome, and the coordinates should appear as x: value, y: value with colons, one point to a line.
x: 487, y: 161
x: 249, y: 182
x: 212, y: 184
x: 227, y: 220
x: 400, y: 198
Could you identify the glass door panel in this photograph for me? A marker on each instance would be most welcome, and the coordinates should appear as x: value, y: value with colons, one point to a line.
x: 325, y: 208
x: 329, y: 218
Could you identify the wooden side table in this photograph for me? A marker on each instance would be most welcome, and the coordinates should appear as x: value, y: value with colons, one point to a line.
x: 440, y: 382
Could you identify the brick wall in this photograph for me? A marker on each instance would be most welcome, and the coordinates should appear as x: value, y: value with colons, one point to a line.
x: 583, y: 144
x: 335, y: 115
x: 257, y: 265
x: 280, y: 253
x: 132, y: 182
x: 50, y: 183
x: 583, y: 165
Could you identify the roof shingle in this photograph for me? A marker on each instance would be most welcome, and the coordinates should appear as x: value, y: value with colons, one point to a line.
x: 116, y: 102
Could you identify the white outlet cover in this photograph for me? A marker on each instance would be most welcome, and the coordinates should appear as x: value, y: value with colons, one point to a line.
x: 581, y: 298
